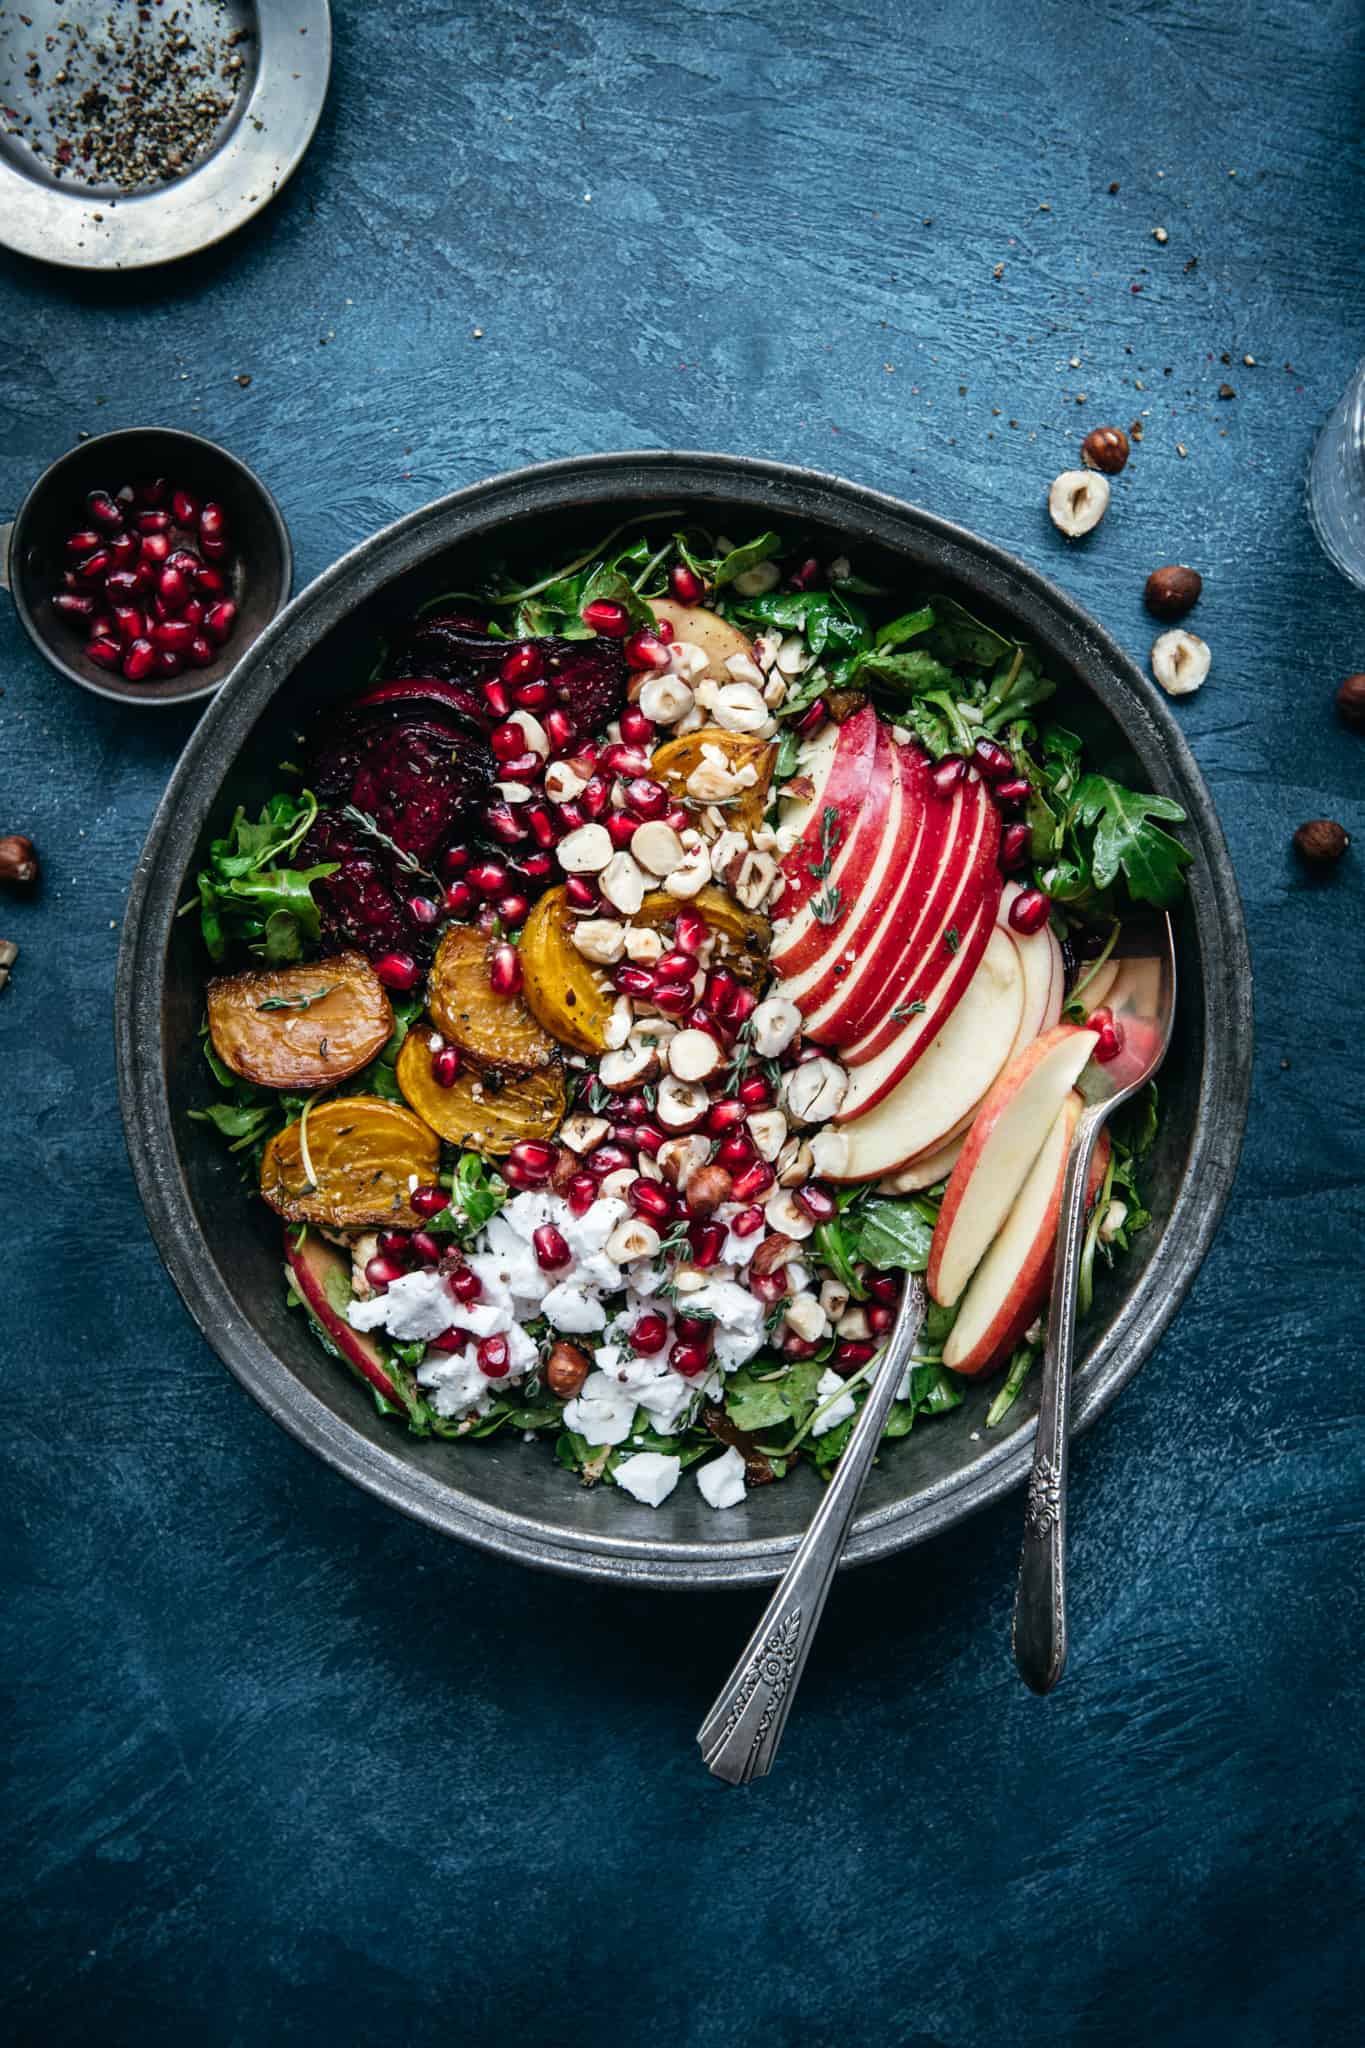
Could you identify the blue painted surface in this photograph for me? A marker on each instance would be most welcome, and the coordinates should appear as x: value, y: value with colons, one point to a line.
x: 280, y: 1767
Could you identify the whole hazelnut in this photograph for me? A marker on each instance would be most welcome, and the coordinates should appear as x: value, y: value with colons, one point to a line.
x: 1105, y: 448
x: 1351, y: 702
x: 1077, y: 502
x: 1180, y: 662
x: 1321, y: 841
x: 18, y: 860
x: 707, y: 1188
x: 1173, y: 591
x: 566, y: 1368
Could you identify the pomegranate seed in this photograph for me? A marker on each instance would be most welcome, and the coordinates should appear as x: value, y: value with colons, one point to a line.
x: 492, y: 1356
x: 645, y: 650
x: 581, y: 1193
x: 707, y: 1241
x: 798, y: 1347
x: 156, y: 549
x: 947, y: 773
x: 495, y: 696
x: 103, y: 510
x: 459, y: 899
x: 649, y: 1138
x: 139, y: 659
x: 990, y: 757
x: 219, y: 620
x: 851, y: 1352
x: 506, y: 740
x: 724, y: 1116
x: 542, y: 826
x: 647, y: 798
x: 507, y: 822
x: 152, y: 522
x: 96, y: 565
x: 755, y: 1092
x: 607, y: 1159
x: 735, y: 1150
x: 395, y: 1244
x: 636, y: 729
x: 805, y: 574
x: 449, y: 1340
x: 446, y: 1065
x: 651, y: 1198
x: 747, y: 1223
x: 531, y: 696
x: 689, y: 930
x: 504, y: 971
x: 619, y: 759
x: 634, y: 981
x: 879, y: 1318
x: 130, y: 582
x: 621, y: 829
x: 754, y: 1181
x: 184, y: 508
x: 466, y: 1285
x: 551, y: 1248
x: 632, y: 1108
x: 202, y: 651
x: 149, y: 490
x: 212, y: 523
x: 560, y: 729
x: 693, y: 1329
x: 702, y: 1019
x: 381, y: 1272
x: 675, y: 966
x: 1012, y: 792
x: 1030, y: 911
x: 423, y: 909
x: 812, y: 719
x: 72, y: 605
x: 426, y: 1248
x: 397, y: 970
x: 512, y: 908
x: 769, y: 1287
x: 124, y: 549
x: 593, y: 798
x: 455, y: 860
x: 1111, y: 1036
x: 489, y: 877
x: 85, y: 542
x: 104, y: 653
x: 685, y: 584
x: 183, y: 559
x: 533, y: 1157
x: 581, y: 893
x: 523, y: 664
x: 688, y: 1359
x: 606, y: 617
x: 168, y: 662
x: 674, y: 998
x: 212, y: 582
x: 678, y: 818
x: 176, y: 634
x: 818, y: 1201
x: 1015, y: 844
x: 104, y: 627
x: 648, y: 1334
x: 193, y: 613
x: 533, y: 867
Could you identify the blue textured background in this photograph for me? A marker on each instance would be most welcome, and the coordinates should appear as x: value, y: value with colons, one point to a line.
x: 279, y: 1766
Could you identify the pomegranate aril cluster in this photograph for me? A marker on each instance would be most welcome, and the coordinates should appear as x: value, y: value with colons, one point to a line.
x: 146, y: 581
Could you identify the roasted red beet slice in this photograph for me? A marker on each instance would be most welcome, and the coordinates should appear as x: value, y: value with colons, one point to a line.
x: 360, y: 903
x: 422, y: 781
x: 448, y: 644
x: 427, y: 696
x: 587, y: 676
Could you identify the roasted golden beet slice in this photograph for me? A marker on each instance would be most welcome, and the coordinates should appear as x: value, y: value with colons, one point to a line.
x: 485, y: 1111
x: 300, y: 1027
x: 745, y: 935
x: 557, y: 981
x: 677, y: 762
x: 492, y: 1030
x: 363, y: 1153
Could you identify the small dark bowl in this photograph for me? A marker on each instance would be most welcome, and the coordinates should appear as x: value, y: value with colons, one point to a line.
x: 263, y: 561
x: 222, y: 1246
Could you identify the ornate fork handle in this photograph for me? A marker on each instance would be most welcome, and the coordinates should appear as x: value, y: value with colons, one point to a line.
x: 740, y: 1735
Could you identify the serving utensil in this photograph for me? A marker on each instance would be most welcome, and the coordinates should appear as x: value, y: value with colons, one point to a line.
x: 739, y: 1737
x: 1142, y: 1003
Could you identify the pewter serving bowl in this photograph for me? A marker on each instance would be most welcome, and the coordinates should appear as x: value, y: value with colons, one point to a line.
x: 222, y: 1246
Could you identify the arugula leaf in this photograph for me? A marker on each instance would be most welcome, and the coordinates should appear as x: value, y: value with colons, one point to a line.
x: 1125, y: 838
x: 477, y: 1192
x: 958, y: 637
x: 913, y: 672
x: 244, y: 896
x: 242, y: 1121
x: 895, y: 1233
x: 747, y: 557
x: 908, y: 626
x: 830, y: 622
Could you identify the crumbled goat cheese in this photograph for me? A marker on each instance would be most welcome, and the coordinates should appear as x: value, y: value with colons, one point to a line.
x: 720, y: 1482
x: 417, y: 1305
x: 827, y: 1384
x: 649, y: 1475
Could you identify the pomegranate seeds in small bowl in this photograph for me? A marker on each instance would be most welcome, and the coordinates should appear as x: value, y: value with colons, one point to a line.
x: 144, y: 563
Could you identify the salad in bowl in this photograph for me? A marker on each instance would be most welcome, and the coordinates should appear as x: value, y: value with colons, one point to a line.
x: 644, y: 969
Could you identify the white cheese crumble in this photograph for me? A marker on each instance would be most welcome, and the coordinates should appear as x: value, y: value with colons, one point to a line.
x: 417, y: 1305
x: 650, y: 1475
x: 830, y: 1383
x: 720, y: 1482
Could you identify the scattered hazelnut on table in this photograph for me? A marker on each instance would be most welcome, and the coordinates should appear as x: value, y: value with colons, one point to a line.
x: 18, y: 860
x: 1180, y: 662
x: 1351, y: 702
x: 566, y: 1368
x: 1105, y: 448
x: 9, y: 953
x: 1077, y: 502
x: 1321, y: 841
x: 1172, y: 591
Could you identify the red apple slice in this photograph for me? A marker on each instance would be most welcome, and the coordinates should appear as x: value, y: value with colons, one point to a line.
x: 1044, y: 971
x: 1010, y: 1287
x: 928, y: 1169
x: 871, y: 1080
x: 838, y: 764
x: 955, y: 1072
x: 860, y: 862
x: 322, y: 1277
x: 1096, y: 990
x: 1006, y: 1137
x: 941, y: 933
